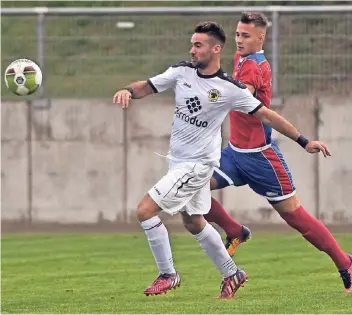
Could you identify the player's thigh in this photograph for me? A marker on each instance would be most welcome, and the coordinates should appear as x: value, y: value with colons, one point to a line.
x: 200, y: 203
x: 268, y: 174
x: 174, y: 191
x: 227, y: 174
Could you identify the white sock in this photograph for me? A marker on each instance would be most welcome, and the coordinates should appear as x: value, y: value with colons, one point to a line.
x: 158, y: 239
x: 210, y: 241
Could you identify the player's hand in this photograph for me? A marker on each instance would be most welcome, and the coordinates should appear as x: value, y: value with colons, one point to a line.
x: 317, y: 146
x: 122, y: 98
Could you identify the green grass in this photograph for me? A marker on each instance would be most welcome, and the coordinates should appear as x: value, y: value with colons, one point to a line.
x: 106, y: 273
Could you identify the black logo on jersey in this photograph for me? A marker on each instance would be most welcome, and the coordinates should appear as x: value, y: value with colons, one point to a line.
x: 192, y: 120
x: 157, y: 191
x: 213, y: 95
x: 193, y: 104
x: 186, y: 84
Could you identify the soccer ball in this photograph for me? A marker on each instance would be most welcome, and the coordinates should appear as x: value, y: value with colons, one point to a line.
x: 23, y: 77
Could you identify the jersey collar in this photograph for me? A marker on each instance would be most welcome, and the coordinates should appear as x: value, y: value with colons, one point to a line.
x: 257, y: 52
x: 208, y: 76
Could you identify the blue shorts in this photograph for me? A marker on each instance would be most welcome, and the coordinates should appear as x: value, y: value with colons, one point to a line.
x: 266, y: 172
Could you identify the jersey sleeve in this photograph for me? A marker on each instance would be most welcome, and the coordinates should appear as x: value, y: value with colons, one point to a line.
x: 164, y: 81
x: 243, y: 101
x: 251, y: 74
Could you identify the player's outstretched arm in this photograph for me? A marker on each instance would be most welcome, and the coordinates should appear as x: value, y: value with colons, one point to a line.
x: 283, y: 126
x: 135, y: 90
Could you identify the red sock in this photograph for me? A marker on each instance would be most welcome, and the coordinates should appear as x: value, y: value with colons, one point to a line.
x: 318, y: 235
x: 219, y: 215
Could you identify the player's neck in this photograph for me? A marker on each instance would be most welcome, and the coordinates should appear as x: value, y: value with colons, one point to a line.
x: 211, y: 69
x: 259, y: 50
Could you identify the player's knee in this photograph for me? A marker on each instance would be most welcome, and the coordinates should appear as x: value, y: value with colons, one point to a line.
x: 194, y: 224
x: 190, y: 226
x: 142, y: 212
x: 193, y: 228
x: 146, y: 209
x: 287, y: 205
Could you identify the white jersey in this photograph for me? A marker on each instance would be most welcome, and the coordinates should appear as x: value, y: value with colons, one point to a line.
x: 202, y: 104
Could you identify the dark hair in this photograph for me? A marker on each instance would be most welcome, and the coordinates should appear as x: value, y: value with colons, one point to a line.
x: 256, y: 18
x: 212, y: 29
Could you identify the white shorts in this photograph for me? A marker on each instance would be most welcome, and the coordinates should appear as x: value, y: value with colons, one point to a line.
x: 186, y: 187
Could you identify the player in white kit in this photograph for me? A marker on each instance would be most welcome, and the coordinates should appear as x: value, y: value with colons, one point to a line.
x: 204, y: 95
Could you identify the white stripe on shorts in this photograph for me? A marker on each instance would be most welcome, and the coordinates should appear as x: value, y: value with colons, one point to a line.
x: 280, y: 198
x: 224, y: 176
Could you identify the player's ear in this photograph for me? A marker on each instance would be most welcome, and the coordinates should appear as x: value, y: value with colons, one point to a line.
x: 262, y: 38
x: 217, y: 48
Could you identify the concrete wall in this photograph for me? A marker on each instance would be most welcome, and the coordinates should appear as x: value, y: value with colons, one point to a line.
x: 73, y: 169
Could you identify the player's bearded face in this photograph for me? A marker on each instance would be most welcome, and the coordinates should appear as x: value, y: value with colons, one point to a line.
x: 201, y: 60
x: 249, y: 38
x: 201, y: 51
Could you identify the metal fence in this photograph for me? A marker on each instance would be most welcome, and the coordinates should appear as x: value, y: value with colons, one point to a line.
x: 89, y: 52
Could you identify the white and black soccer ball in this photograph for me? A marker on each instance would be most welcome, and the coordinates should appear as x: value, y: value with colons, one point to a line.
x: 23, y: 77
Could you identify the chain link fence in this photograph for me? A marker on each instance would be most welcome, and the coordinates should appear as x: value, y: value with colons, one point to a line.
x: 90, y: 56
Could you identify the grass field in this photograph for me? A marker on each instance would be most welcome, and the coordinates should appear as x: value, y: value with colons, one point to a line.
x: 106, y: 273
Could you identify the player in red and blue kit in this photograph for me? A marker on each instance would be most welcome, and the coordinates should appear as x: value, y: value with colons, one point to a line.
x: 252, y: 158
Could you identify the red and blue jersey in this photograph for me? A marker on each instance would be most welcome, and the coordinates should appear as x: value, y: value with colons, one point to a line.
x: 250, y: 158
x: 246, y: 131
